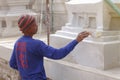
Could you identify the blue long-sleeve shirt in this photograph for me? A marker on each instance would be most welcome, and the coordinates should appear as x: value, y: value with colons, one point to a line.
x: 28, y: 53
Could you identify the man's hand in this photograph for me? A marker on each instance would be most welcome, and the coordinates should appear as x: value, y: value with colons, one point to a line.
x: 82, y: 35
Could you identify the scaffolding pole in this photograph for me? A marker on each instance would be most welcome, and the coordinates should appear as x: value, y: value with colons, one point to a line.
x: 48, y: 20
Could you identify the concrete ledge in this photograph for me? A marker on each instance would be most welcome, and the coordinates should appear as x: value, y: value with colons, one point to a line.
x: 62, y: 70
x: 5, y: 53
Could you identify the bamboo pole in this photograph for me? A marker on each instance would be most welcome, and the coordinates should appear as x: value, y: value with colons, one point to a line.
x: 41, y: 15
x: 48, y: 21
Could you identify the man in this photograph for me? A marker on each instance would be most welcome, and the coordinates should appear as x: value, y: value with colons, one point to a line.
x: 28, y: 53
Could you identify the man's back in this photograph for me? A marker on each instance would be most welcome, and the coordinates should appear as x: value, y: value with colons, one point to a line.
x: 29, y: 63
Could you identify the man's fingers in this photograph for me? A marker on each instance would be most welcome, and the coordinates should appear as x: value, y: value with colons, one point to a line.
x: 84, y: 34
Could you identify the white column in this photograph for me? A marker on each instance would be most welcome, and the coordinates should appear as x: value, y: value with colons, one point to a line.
x: 100, y: 25
x: 9, y: 23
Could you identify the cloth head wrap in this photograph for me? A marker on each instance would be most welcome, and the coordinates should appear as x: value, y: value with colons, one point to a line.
x: 25, y: 22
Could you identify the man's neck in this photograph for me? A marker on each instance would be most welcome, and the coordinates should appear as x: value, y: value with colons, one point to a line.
x: 28, y: 35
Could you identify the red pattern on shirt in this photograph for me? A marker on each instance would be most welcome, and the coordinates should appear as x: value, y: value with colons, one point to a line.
x: 21, y: 52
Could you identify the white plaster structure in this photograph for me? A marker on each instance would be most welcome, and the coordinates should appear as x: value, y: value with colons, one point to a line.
x: 98, y: 52
x: 95, y: 58
x: 10, y: 10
